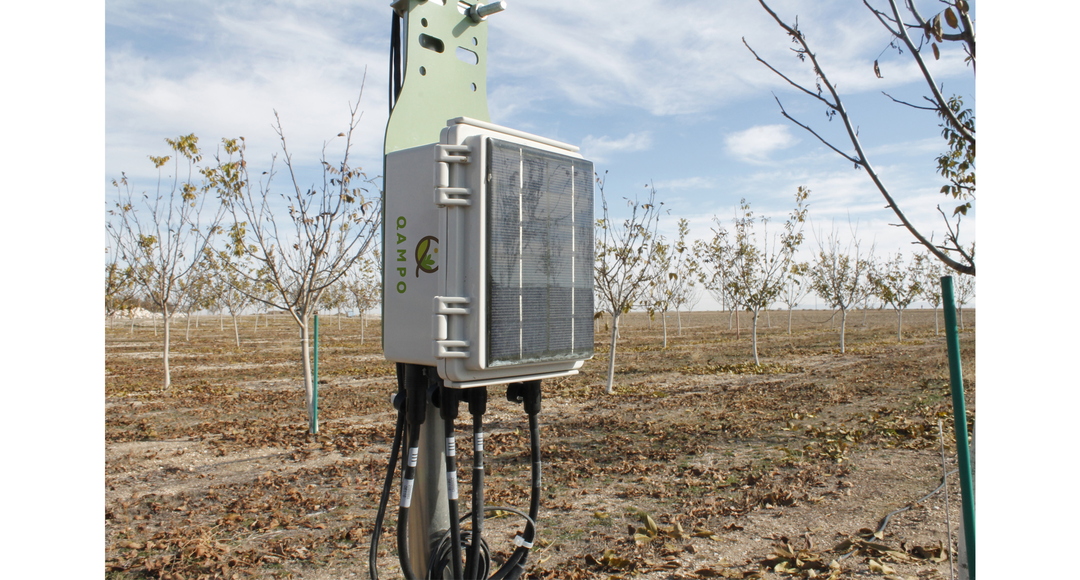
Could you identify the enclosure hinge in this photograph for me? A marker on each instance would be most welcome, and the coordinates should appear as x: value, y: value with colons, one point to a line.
x: 444, y: 194
x: 445, y: 307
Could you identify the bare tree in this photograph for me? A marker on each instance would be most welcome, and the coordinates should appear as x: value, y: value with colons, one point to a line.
x: 668, y: 288
x: 931, y: 273
x: 965, y: 291
x: 957, y: 165
x: 796, y: 287
x: 839, y: 276
x: 162, y: 236
x: 364, y: 287
x: 686, y: 269
x: 715, y: 268
x: 897, y: 283
x: 758, y: 266
x: 119, y: 284
x: 232, y: 289
x: 325, y: 231
x: 623, y: 252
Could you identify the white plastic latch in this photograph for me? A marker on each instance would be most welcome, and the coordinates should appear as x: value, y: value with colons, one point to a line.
x: 444, y: 194
x: 445, y: 307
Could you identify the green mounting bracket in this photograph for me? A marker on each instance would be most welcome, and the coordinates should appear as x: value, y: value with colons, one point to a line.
x: 445, y: 71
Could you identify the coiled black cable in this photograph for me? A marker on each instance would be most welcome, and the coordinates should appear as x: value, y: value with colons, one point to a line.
x: 447, y: 549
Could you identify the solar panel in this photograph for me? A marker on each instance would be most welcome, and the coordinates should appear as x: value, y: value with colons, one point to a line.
x: 540, y: 255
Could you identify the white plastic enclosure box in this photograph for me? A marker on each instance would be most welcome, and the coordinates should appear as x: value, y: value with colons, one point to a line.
x: 488, y: 256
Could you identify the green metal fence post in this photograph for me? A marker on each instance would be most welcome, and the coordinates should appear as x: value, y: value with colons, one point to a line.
x: 963, y: 447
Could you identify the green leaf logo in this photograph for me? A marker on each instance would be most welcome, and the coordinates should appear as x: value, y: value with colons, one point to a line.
x: 425, y: 259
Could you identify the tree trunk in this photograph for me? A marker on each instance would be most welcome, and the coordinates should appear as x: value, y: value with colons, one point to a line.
x: 236, y: 330
x: 960, y: 314
x: 664, y: 316
x: 768, y: 318
x: 610, y: 389
x: 789, y: 320
x: 753, y: 337
x: 309, y: 387
x: 738, y: 325
x: 843, y: 327
x: 187, y: 329
x: 899, y: 324
x: 362, y: 325
x: 165, y: 349
x: 678, y: 317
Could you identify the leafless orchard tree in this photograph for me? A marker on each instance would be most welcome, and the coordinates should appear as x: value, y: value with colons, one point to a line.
x: 758, y: 265
x: 232, y: 284
x: 299, y: 255
x: 714, y: 270
x: 162, y: 236
x: 957, y: 165
x: 840, y: 275
x: 898, y: 283
x: 931, y: 272
x: 119, y: 284
x: 672, y: 263
x: 623, y: 252
x: 364, y: 288
x: 965, y: 291
x: 796, y: 287
x: 685, y: 292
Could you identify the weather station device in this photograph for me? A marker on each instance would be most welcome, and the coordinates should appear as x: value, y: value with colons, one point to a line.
x: 487, y: 280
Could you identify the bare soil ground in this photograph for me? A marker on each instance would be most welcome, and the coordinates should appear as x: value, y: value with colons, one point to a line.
x: 700, y: 466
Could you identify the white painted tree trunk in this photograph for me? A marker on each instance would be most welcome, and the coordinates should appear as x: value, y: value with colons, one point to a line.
x: 165, y: 349
x: 753, y: 336
x: 610, y: 389
x: 789, y: 321
x: 843, y: 327
x: 236, y: 330
x: 664, y: 316
x: 899, y: 324
x: 309, y: 387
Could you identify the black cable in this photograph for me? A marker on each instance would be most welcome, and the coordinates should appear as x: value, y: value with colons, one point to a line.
x: 527, y: 393
x: 395, y: 59
x: 477, y: 407
x: 384, y: 498
x: 448, y: 408
x: 415, y: 384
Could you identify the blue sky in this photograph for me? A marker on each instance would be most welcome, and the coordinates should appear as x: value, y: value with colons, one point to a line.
x: 653, y: 92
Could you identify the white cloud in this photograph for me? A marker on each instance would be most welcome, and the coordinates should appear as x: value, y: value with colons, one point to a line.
x: 600, y: 149
x: 754, y: 145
